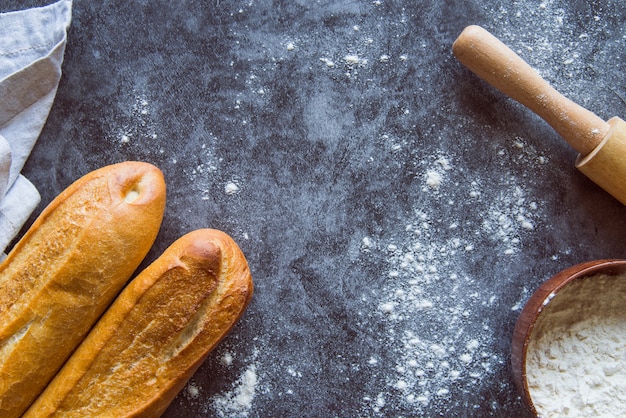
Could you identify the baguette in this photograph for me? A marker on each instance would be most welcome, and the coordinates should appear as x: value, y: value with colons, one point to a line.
x: 156, y: 334
x: 69, y: 266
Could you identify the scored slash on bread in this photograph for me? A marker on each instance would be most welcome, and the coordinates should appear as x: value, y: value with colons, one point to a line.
x: 67, y: 269
x: 156, y: 334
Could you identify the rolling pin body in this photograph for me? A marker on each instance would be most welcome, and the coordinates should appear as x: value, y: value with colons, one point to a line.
x: 602, y: 145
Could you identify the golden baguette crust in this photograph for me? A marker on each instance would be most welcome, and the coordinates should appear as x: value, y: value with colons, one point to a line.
x: 66, y: 270
x: 156, y: 334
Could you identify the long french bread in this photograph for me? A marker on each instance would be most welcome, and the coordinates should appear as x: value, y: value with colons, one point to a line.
x: 156, y: 334
x: 66, y: 270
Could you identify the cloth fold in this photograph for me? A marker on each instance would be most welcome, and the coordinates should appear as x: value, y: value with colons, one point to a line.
x: 32, y: 46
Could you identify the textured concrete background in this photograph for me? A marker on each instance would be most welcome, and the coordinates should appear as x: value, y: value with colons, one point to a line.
x: 396, y: 212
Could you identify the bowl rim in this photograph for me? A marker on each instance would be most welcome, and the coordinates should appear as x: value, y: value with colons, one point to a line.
x: 535, y: 305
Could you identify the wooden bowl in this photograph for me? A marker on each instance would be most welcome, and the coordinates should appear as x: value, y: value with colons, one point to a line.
x: 533, y: 308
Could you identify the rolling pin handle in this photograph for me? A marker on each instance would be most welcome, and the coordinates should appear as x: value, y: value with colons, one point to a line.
x: 495, y: 63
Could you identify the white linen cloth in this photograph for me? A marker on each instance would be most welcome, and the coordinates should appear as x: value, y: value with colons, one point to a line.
x: 32, y: 45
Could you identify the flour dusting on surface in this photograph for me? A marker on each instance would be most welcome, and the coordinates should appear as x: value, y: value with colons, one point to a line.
x: 138, y: 125
x: 237, y: 396
x: 203, y: 175
x: 238, y: 401
x: 442, y: 345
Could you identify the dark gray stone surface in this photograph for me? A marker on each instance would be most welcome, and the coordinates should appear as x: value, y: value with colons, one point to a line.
x: 396, y: 212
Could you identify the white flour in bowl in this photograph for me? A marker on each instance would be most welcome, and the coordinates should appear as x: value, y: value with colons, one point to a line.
x: 576, y: 358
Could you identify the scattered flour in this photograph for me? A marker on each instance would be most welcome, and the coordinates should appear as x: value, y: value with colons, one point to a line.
x: 329, y: 63
x: 231, y: 188
x: 576, y: 358
x: 227, y: 359
x: 549, y: 39
x: 193, y: 391
x: 434, y: 179
x: 435, y: 176
x: 139, y: 124
x: 235, y: 402
x: 443, y: 347
x: 238, y: 402
x: 508, y: 218
x: 352, y: 59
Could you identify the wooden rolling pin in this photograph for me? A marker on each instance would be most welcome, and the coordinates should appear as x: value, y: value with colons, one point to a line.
x: 601, y: 145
